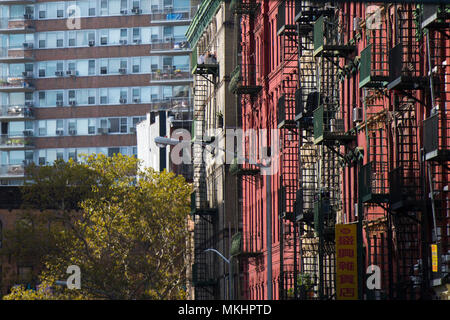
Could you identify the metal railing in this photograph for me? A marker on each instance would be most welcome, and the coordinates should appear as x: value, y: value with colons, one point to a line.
x: 12, y: 170
x: 16, y: 111
x: 13, y: 24
x: 14, y: 82
x: 170, y: 75
x: 175, y: 14
x: 15, y: 141
x: 169, y: 43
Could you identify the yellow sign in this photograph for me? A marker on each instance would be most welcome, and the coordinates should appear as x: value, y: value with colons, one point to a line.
x: 434, y: 257
x: 346, y: 262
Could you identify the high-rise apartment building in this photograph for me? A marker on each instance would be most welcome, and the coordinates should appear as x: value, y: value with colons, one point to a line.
x: 77, y: 76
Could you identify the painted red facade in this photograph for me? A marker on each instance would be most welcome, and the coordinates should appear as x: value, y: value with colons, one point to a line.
x: 373, y: 151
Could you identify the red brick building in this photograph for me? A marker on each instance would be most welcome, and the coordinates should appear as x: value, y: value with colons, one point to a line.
x: 359, y: 93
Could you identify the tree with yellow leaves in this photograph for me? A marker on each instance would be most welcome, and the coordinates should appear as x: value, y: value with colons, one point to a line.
x: 124, y: 227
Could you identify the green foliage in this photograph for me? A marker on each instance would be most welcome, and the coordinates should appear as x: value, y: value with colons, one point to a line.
x: 46, y: 291
x: 124, y: 227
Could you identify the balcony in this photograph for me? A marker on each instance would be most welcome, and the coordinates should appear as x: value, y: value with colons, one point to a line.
x: 326, y: 40
x: 405, y: 188
x: 283, y: 115
x: 243, y: 80
x: 15, y: 84
x: 11, y: 142
x: 244, y: 7
x: 436, y: 137
x: 404, y: 71
x: 203, y: 65
x: 172, y: 16
x: 306, y: 13
x: 169, y: 45
x: 16, y: 26
x: 14, y: 2
x: 12, y: 171
x: 324, y: 218
x: 329, y: 126
x: 303, y: 211
x: 202, y: 276
x: 305, y: 106
x: 246, y: 245
x: 374, y: 67
x: 200, y: 208
x: 16, y: 112
x: 373, y: 182
x: 170, y: 76
x: 283, y: 26
x: 242, y: 170
x: 435, y: 16
x: 16, y: 55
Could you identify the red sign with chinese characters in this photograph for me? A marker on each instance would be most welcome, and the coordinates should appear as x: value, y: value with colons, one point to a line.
x: 346, y: 262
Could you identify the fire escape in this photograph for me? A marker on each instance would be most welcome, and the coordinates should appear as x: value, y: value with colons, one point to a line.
x: 406, y: 196
x: 204, y: 215
x: 289, y: 248
x: 331, y: 140
x: 307, y: 99
x: 436, y: 18
x: 373, y: 176
x: 247, y: 242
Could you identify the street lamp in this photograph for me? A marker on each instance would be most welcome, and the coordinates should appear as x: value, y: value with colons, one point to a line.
x: 230, y: 286
x: 162, y: 142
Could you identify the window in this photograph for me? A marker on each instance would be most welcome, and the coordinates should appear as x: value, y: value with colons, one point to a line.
x: 113, y: 151
x: 42, y: 128
x: 72, y: 38
x: 91, y: 126
x: 123, y: 125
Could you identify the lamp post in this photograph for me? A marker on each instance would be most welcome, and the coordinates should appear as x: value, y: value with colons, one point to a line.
x: 230, y: 282
x: 162, y: 142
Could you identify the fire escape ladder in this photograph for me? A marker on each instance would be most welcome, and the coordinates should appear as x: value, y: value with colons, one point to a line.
x: 204, y: 215
x: 436, y: 127
x: 289, y: 249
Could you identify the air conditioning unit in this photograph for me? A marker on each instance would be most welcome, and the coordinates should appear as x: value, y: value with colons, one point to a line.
x: 29, y: 103
x: 28, y: 16
x: 59, y: 132
x: 71, y: 73
x: 136, y: 10
x: 123, y: 41
x: 357, y: 114
x: 136, y: 100
x: 137, y: 41
x: 122, y: 70
x: 337, y: 125
x: 122, y: 100
x: 102, y: 130
x: 123, y: 11
x: 91, y: 43
x: 28, y: 45
x: 103, y: 40
x: 28, y: 74
x: 72, y: 132
x: 72, y: 102
x: 59, y: 103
